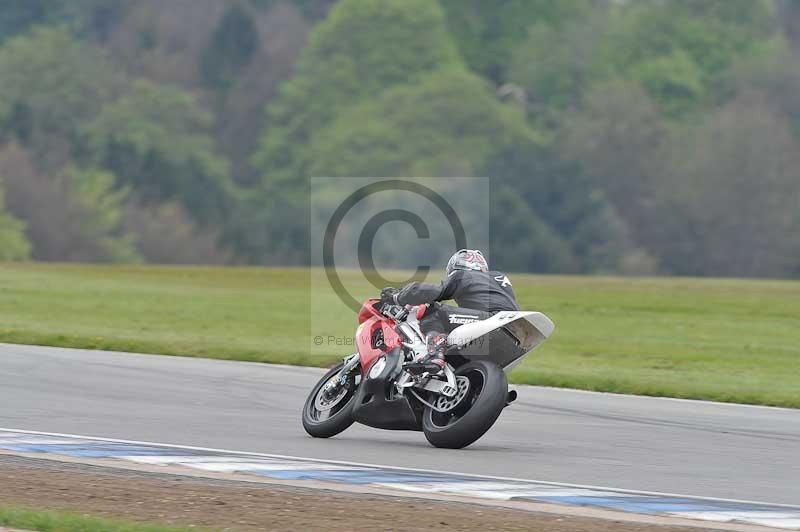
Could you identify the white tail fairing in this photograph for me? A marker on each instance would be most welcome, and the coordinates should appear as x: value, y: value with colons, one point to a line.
x: 528, y: 328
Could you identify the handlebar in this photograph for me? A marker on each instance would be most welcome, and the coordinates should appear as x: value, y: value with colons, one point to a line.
x: 396, y: 312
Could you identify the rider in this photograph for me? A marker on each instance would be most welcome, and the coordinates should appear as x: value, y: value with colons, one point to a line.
x: 479, y: 293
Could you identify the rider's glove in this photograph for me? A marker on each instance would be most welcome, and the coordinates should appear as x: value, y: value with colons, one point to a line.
x: 388, y: 296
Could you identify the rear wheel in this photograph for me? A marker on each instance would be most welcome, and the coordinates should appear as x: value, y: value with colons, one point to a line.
x: 459, y: 421
x: 329, y: 407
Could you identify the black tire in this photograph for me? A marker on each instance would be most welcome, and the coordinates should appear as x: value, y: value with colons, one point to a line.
x: 341, y: 416
x: 475, y: 414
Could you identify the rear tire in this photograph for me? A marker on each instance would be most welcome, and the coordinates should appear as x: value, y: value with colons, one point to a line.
x: 324, y: 424
x: 475, y: 414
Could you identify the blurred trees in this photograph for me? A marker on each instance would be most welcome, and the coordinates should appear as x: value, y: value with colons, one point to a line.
x: 13, y: 243
x: 363, y: 48
x: 18, y: 16
x: 435, y: 127
x: 487, y: 32
x: 634, y: 137
x: 165, y: 233
x: 616, y: 136
x: 567, y: 221
x: 156, y: 139
x: 633, y: 93
x: 675, y: 49
x: 80, y: 137
x: 84, y: 16
x: 555, y: 64
x: 50, y: 84
x: 728, y: 199
x: 239, y: 108
x: 70, y: 215
x: 232, y: 46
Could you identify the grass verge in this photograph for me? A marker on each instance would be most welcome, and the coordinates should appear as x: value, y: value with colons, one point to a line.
x: 718, y: 339
x: 52, y: 521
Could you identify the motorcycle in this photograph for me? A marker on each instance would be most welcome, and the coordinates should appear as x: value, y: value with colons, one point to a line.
x: 385, y: 385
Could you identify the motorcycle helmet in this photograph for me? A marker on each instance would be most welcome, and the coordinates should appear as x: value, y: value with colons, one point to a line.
x: 467, y: 259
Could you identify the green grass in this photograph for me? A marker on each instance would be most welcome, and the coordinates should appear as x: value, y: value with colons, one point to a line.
x: 726, y: 340
x: 51, y: 521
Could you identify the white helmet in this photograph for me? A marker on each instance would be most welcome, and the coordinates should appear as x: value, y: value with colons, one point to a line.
x: 467, y: 259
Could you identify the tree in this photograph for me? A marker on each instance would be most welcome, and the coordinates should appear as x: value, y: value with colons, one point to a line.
x: 555, y: 64
x: 95, y: 16
x: 676, y: 49
x: 163, y: 41
x: 728, y: 197
x: 789, y: 15
x: 49, y: 84
x: 446, y: 124
x: 18, y: 16
x: 101, y: 215
x: 313, y: 9
x: 157, y: 140
x: 773, y: 70
x: 14, y: 244
x: 166, y: 234
x: 487, y: 32
x: 545, y: 215
x: 239, y: 112
x: 540, y: 250
x: 71, y: 215
x: 361, y: 49
x: 673, y: 80
x: 591, y: 235
x: 232, y: 46
x: 616, y: 136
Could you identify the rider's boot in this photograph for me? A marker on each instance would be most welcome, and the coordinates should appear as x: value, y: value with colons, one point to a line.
x: 434, y: 362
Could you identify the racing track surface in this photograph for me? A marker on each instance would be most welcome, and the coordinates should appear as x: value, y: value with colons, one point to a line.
x: 638, y: 443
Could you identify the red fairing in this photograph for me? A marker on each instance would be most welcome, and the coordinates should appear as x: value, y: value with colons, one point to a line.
x: 371, y: 320
x: 368, y: 311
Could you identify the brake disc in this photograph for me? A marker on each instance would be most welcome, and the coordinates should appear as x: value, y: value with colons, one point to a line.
x: 445, y: 404
x: 323, y: 401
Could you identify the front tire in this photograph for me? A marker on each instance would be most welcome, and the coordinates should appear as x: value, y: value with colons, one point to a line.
x: 475, y: 413
x: 326, y: 423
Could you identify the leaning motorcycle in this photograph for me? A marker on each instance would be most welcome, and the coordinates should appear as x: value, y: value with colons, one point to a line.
x: 381, y: 385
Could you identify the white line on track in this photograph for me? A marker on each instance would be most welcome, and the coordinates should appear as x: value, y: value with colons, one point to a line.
x: 402, y: 469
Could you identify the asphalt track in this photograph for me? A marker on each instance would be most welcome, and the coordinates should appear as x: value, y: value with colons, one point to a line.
x: 638, y: 443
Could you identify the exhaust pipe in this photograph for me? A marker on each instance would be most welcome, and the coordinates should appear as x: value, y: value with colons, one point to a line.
x: 512, y: 396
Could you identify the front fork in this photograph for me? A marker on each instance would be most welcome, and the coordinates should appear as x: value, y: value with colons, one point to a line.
x: 340, y: 379
x: 350, y: 363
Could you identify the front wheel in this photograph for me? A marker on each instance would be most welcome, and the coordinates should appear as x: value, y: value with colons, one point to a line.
x: 459, y: 421
x: 329, y: 407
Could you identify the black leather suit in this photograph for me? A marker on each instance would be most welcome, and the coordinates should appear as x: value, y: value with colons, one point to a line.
x: 477, y: 294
